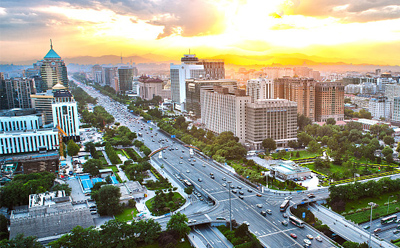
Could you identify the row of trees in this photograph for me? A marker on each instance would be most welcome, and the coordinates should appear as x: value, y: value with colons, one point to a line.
x: 112, y: 154
x: 339, y: 195
x: 98, y: 118
x: 348, y: 114
x: 120, y: 136
x: 17, y: 191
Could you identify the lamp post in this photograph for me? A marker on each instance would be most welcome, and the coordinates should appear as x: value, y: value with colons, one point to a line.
x: 372, y: 204
x: 230, y: 206
x: 388, y: 204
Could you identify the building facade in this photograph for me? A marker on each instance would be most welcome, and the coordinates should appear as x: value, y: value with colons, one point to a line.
x: 271, y: 118
x: 194, y: 86
x: 13, y: 142
x: 97, y: 74
x: 299, y: 90
x: 213, y: 69
x: 223, y: 111
x: 53, y: 70
x: 150, y: 87
x: 396, y: 110
x: 20, y: 123
x: 179, y: 74
x: 380, y: 107
x: 329, y: 101
x: 42, y: 103
x: 260, y: 88
x: 18, y: 92
x: 125, y: 78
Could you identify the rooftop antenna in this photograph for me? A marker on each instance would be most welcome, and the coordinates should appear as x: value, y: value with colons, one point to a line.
x: 51, y: 44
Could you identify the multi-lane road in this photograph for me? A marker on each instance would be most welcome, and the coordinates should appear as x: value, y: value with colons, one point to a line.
x: 214, y: 185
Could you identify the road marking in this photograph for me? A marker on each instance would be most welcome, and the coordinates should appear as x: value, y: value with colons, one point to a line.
x: 208, y: 217
x: 281, y: 231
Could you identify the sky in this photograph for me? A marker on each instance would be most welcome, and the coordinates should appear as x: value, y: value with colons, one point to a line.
x: 352, y: 31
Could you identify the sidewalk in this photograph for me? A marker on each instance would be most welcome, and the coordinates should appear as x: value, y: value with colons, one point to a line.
x: 106, y: 158
x: 195, y: 240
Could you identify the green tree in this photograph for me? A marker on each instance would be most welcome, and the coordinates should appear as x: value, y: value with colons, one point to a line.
x: 389, y: 140
x: 79, y: 237
x: 149, y: 230
x: 242, y: 230
x: 304, y: 138
x: 269, y: 144
x: 189, y: 190
x: 72, y: 148
x: 387, y: 150
x: 303, y: 121
x: 60, y: 187
x: 21, y: 241
x: 330, y: 121
x: 178, y: 223
x: 313, y: 146
x: 3, y: 227
x: 92, y: 166
x: 107, y: 200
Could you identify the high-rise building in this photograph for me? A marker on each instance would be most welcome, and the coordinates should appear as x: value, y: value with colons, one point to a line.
x: 53, y: 69
x: 3, y: 93
x: 125, y: 78
x: 299, y: 90
x: 97, y: 74
x: 179, y: 74
x: 18, y: 92
x: 380, y: 107
x: 194, y: 86
x: 260, y: 88
x: 42, y: 103
x: 329, y: 101
x: 110, y: 77
x: 213, y: 68
x: 224, y: 111
x: 65, y: 112
x: 396, y: 110
x: 149, y: 87
x: 392, y: 91
x: 270, y: 118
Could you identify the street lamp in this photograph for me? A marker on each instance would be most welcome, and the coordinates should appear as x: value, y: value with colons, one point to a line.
x: 372, y: 204
x: 230, y: 206
x: 388, y: 204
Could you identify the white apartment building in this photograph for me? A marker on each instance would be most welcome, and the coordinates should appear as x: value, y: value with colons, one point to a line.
x: 179, y: 74
x: 13, y: 142
x: 223, y: 111
x: 396, y: 110
x: 260, y: 88
x: 271, y: 118
x: 15, y: 123
x: 380, y: 107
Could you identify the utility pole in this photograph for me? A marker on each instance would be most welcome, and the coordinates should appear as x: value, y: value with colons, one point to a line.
x: 372, y: 204
x: 388, y: 204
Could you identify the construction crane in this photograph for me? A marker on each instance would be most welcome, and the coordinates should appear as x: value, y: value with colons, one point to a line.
x: 60, y: 140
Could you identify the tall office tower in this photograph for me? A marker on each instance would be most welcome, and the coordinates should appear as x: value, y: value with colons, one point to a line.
x: 53, y: 70
x: 18, y: 91
x: 110, y: 77
x: 149, y: 87
x: 329, y: 101
x: 65, y: 111
x: 97, y: 74
x: 260, y: 88
x: 396, y: 110
x: 380, y: 107
x: 125, y: 78
x: 179, y: 74
x: 271, y: 118
x: 42, y: 103
x: 223, y: 111
x: 194, y: 86
x: 213, y: 68
x: 3, y: 92
x: 299, y: 90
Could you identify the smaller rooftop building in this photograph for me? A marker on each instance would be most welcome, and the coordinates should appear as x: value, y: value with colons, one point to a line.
x: 289, y: 170
x: 131, y: 190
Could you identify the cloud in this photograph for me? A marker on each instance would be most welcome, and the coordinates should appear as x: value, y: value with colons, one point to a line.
x: 346, y: 10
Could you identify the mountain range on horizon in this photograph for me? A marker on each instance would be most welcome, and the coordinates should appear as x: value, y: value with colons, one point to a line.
x: 295, y: 59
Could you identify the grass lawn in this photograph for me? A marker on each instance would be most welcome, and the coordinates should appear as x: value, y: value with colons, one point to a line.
x: 303, y: 154
x: 333, y: 168
x: 113, y: 168
x: 126, y: 215
x: 363, y: 203
x: 177, y: 196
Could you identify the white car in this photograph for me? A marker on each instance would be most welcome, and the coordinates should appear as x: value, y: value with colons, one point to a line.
x: 307, y: 242
x: 224, y: 184
x: 188, y: 171
x: 318, y: 238
x: 259, y: 205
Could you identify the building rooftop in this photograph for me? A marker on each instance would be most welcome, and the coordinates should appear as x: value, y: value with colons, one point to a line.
x: 18, y: 112
x: 47, y: 199
x: 52, y: 54
x: 289, y: 167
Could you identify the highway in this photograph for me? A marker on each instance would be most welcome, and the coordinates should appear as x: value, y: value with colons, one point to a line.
x: 269, y: 229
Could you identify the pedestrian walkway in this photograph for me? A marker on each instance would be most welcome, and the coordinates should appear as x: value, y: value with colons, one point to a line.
x: 196, y: 240
x: 106, y: 158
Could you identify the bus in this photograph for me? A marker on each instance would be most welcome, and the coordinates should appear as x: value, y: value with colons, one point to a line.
x: 187, y: 183
x: 389, y: 219
x: 296, y: 222
x: 284, y: 205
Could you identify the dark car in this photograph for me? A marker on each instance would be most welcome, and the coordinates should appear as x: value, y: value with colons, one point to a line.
x: 263, y: 213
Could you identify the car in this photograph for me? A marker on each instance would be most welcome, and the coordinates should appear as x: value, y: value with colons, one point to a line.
x: 269, y: 211
x: 284, y: 222
x: 293, y: 235
x: 309, y: 236
x: 212, y: 177
x: 201, y: 199
x: 189, y: 159
x: 198, y: 195
x: 177, y: 148
x: 188, y: 171
x: 307, y: 242
x: 259, y: 205
x: 181, y: 157
x: 284, y: 215
x: 232, y: 186
x: 194, y: 160
x: 204, y: 165
x: 246, y: 223
x: 241, y: 197
x: 224, y: 184
x: 263, y: 213
x: 223, y: 179
x: 311, y: 195
x: 366, y: 227
x: 249, y: 190
x: 192, y: 164
x: 305, y: 199
x: 234, y: 191
x: 200, y: 179
x: 318, y: 238
x: 241, y: 192
x: 377, y: 230
x: 396, y: 231
x: 239, y: 187
x: 220, y: 218
x: 191, y: 221
x: 259, y: 195
x: 211, y: 174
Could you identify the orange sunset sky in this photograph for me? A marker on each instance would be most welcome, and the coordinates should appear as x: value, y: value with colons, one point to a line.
x: 352, y: 31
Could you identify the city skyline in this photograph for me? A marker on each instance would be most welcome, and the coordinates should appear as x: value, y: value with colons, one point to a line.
x: 350, y: 31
